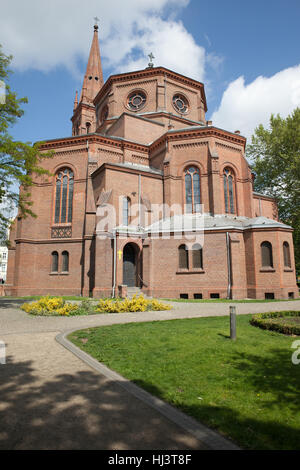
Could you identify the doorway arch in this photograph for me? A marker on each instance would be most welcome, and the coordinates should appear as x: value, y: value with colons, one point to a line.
x: 130, y: 261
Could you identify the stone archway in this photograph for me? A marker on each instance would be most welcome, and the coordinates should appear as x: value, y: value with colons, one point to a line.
x: 130, y: 262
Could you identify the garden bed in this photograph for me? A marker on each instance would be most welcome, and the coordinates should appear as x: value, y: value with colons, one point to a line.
x: 57, y: 306
x: 286, y: 322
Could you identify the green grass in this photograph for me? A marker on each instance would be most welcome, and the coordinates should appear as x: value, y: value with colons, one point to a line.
x: 248, y: 389
x: 231, y: 301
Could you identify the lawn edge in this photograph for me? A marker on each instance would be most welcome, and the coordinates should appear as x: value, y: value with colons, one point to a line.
x: 212, y: 439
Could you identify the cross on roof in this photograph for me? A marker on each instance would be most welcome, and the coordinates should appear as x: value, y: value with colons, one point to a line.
x: 151, y: 56
x: 96, y: 19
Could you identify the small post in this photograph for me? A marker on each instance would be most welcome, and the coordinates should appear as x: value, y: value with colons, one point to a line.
x: 232, y: 310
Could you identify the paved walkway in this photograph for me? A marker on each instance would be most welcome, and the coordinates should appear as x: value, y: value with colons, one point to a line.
x: 52, y: 399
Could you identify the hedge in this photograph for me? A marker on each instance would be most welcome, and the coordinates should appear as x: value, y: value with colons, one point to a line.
x: 268, y: 321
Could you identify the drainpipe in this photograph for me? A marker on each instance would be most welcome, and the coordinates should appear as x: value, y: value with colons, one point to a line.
x: 228, y: 266
x: 115, y: 264
x: 140, y: 219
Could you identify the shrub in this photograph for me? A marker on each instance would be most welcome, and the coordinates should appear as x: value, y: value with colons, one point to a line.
x: 136, y: 304
x: 278, y: 321
x: 50, y: 306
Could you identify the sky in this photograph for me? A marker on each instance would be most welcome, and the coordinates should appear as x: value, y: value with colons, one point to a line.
x: 247, y: 54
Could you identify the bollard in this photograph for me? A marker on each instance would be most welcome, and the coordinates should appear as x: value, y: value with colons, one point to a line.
x: 232, y: 310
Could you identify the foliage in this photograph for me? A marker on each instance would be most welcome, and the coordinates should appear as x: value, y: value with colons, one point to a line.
x: 136, y: 304
x: 50, y: 306
x: 246, y: 389
x: 19, y: 161
x: 275, y: 153
x: 287, y: 322
x: 58, y: 306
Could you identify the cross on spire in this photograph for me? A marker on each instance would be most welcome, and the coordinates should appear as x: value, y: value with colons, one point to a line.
x: 151, y: 57
x: 96, y: 19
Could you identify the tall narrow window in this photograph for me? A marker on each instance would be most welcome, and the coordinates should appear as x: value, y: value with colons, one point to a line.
x: 266, y: 255
x: 197, y: 256
x: 229, y: 196
x: 183, y: 257
x: 64, y: 196
x: 54, y: 265
x: 192, y: 189
x: 126, y: 204
x: 286, y: 255
x: 65, y: 261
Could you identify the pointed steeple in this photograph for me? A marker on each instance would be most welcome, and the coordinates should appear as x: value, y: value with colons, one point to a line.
x: 75, y: 101
x: 93, y: 79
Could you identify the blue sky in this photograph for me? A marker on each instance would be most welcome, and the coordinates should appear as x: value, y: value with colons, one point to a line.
x: 246, y: 53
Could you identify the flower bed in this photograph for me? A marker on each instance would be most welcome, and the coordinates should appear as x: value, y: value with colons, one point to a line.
x: 57, y: 306
x: 287, y: 322
x: 136, y: 304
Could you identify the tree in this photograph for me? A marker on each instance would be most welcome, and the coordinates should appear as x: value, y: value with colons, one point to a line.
x: 275, y: 153
x: 19, y: 161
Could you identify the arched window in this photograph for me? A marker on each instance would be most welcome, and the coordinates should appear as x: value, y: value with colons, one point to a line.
x: 229, y: 193
x: 88, y: 127
x: 65, y: 261
x: 63, y: 196
x: 197, y: 256
x: 183, y: 257
x: 54, y: 263
x: 126, y: 206
x: 286, y: 255
x: 192, y: 189
x: 266, y: 255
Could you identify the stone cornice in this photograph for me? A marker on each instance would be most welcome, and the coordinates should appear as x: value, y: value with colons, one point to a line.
x: 94, y: 138
x: 190, y: 133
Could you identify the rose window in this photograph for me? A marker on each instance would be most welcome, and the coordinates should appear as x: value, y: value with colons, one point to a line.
x: 136, y: 100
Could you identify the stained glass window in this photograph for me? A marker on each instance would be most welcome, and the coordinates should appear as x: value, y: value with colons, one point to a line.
x: 180, y: 103
x: 54, y: 267
x: 266, y: 255
x: 197, y: 256
x: 136, y: 100
x: 65, y: 261
x: 126, y: 202
x: 192, y: 189
x: 64, y: 196
x: 183, y: 257
x: 286, y: 255
x: 229, y: 195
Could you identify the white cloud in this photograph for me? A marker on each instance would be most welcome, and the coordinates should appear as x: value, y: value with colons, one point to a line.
x: 244, y: 107
x: 42, y: 34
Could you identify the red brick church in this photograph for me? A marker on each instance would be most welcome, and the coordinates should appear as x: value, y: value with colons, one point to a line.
x: 140, y: 141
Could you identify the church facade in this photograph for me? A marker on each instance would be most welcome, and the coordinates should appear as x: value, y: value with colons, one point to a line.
x: 146, y: 193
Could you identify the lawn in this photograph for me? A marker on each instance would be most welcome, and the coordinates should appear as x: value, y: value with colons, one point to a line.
x: 248, y: 390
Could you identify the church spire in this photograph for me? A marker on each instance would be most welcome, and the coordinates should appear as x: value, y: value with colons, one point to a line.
x: 75, y: 101
x: 93, y: 79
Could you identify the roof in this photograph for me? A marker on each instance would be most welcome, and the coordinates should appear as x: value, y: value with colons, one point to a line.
x: 192, y: 222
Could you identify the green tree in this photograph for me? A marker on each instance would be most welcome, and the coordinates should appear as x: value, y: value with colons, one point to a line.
x: 19, y: 161
x: 275, y: 154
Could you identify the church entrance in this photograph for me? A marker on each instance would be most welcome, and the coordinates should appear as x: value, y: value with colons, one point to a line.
x: 130, y: 265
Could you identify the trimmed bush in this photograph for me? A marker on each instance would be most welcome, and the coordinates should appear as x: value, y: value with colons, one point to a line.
x: 57, y: 306
x: 136, y: 304
x: 283, y: 322
x: 50, y: 306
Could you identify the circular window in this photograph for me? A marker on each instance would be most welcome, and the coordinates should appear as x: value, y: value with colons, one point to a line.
x: 180, y: 103
x: 136, y: 100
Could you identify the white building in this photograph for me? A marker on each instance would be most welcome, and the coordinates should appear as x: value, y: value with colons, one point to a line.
x: 3, y: 263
